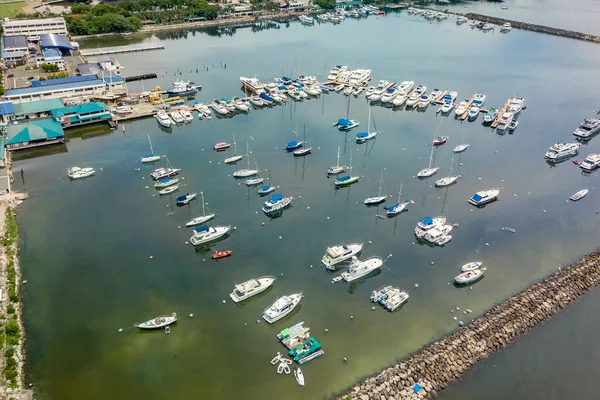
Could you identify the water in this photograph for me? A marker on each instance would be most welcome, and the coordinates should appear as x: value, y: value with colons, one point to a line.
x: 86, y: 245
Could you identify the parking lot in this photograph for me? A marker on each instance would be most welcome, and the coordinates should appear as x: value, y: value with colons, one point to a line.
x: 21, y: 78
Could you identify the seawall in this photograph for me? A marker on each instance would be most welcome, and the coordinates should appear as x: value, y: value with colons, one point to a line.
x: 439, y: 364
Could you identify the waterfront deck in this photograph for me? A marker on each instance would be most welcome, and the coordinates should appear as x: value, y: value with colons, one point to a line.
x: 122, y: 49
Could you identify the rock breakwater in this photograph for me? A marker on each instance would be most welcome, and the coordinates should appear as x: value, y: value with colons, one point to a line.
x: 441, y: 363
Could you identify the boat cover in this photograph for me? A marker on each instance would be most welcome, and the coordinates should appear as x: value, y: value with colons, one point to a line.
x: 477, y: 197
x: 427, y: 221
x: 265, y: 96
x: 344, y: 121
x: 265, y: 188
x: 343, y: 178
x: 164, y: 180
x: 276, y: 197
x: 391, y: 90
x: 292, y: 144
x: 182, y: 198
x: 362, y: 135
x: 203, y: 228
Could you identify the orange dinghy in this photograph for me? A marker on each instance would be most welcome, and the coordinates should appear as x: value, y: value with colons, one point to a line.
x: 221, y: 254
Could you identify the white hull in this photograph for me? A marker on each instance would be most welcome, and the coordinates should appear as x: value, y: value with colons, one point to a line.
x: 281, y: 307
x: 460, y: 148
x: 164, y: 120
x: 80, y: 173
x: 158, y: 322
x: 211, y: 234
x: 168, y: 190
x: 150, y: 159
x: 200, y: 220
x: 579, y: 195
x: 469, y: 277
x: 244, y: 173
x: 374, y: 200
x: 170, y: 182
x: 337, y: 254
x: 446, y: 181
x: 471, y: 266
x: 427, y: 172
x: 360, y: 269
x: 232, y: 159
x: 336, y: 170
x: 252, y: 287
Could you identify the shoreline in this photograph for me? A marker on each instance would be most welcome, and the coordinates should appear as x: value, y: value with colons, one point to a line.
x: 441, y: 363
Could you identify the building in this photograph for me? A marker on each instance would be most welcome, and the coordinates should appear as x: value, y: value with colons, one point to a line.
x: 33, y: 28
x: 82, y: 114
x: 106, y: 65
x: 51, y: 56
x: 292, y: 6
x: 14, y: 48
x: 7, y: 110
x: 33, y: 134
x: 35, y: 109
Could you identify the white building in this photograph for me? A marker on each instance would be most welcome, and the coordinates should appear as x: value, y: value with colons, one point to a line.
x: 32, y: 28
x: 14, y: 48
x: 51, y: 56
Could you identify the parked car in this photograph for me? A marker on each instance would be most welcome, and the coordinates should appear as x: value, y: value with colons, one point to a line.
x: 10, y: 75
x: 30, y: 78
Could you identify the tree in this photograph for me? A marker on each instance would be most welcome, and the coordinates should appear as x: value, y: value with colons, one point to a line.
x: 80, y: 9
x: 50, y: 67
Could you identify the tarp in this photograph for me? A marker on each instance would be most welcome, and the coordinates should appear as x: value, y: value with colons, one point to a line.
x: 344, y: 121
x: 362, y: 135
x: 276, y: 197
x: 343, y: 178
x: 477, y: 197
x: 292, y: 144
x: 202, y: 228
x: 427, y: 221
x: 182, y: 198
x: 164, y: 180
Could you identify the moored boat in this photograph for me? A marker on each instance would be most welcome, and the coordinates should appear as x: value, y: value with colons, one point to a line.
x: 505, y: 121
x: 587, y: 128
x: 340, y: 253
x: 461, y: 108
x: 220, y: 254
x: 281, y: 307
x: 471, y: 266
x: 159, y: 322
x: 221, y: 146
x: 168, y: 189
x: 252, y: 85
x: 204, y: 234
x: 359, y: 269
x: 251, y: 287
x: 490, y: 116
x: 162, y: 183
x: 440, y: 140
x: 185, y: 199
x: 469, y: 277
x: 163, y: 119
x: 80, y: 173
x: 460, y: 148
x: 590, y: 163
x: 484, y: 197
x: 276, y: 203
x: 578, y: 195
x: 561, y: 151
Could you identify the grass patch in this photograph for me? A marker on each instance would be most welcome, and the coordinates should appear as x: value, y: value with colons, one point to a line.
x: 12, y: 9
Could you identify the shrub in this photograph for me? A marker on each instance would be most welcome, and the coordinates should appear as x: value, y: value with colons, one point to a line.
x: 10, y: 309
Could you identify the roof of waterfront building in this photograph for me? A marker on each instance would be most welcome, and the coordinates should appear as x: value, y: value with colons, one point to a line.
x: 37, y: 106
x: 79, y: 109
x: 60, y: 81
x: 7, y: 108
x: 64, y: 86
x: 113, y: 79
x: 51, y: 53
x: 12, y: 42
x: 56, y: 41
x: 89, y: 69
x: 32, y: 131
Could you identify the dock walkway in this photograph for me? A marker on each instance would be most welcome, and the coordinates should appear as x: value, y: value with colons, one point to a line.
x: 122, y: 49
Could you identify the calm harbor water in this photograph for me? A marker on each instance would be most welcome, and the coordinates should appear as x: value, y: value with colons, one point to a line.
x: 86, y: 245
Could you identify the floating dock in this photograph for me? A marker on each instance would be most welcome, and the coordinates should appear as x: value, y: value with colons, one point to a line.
x: 500, y: 112
x: 131, y: 48
x: 469, y: 104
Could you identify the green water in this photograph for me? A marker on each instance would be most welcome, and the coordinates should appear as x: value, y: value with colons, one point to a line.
x: 86, y: 245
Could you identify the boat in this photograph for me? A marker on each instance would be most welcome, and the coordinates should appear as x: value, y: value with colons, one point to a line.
x: 181, y: 88
x: 303, y: 150
x: 264, y: 190
x: 430, y: 170
x: 221, y: 146
x: 448, y: 180
x: 587, y: 128
x: 469, y: 277
x: 405, y: 87
x: 359, y: 77
x: 399, y: 207
x: 389, y: 297
x: 461, y: 20
x: 428, y: 223
x: 80, y: 173
x: 505, y: 121
x: 507, y: 26
x: 340, y: 253
x: 346, y: 180
x: 374, y: 200
x: 252, y: 85
x: 490, y: 116
x: 473, y: 113
x: 440, y: 140
x: 177, y: 117
x: 255, y: 180
x: 162, y: 321
x: 219, y: 108
x: 399, y: 100
x: 266, y: 99
x: 185, y: 199
x: 471, y: 266
x: 187, y: 116
x: 438, y: 235
x: 365, y: 136
x: 579, y: 195
x: 306, y: 20
x: 163, y: 119
x: 247, y: 172
x: 513, y: 125
x: 150, y: 157
x: 460, y: 148
x: 561, y: 151
x: 165, y: 182
x: 240, y: 104
x: 345, y: 124
x: 281, y: 307
x: 447, y: 107
x: 337, y: 169
x: 487, y: 27
x: 378, y: 91
x: 516, y: 104
x: 123, y: 110
x: 591, y: 162
x: 203, y: 218
x: 276, y: 203
x: 234, y: 158
x: 461, y: 108
x: 299, y: 376
x: 435, y: 93
x: 358, y: 91
x: 348, y: 91
x: 339, y: 88
x: 335, y: 71
x: 220, y: 254
x: 257, y: 101
x: 161, y: 173
x: 359, y: 269
x: 389, y: 95
x: 204, y: 234
x: 251, y: 287
x: 168, y: 189
x: 443, y: 240
x: 415, y: 95
x: 424, y: 101
x: 484, y: 197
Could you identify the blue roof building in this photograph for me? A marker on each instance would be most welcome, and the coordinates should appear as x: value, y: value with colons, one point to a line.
x: 33, y: 134
x: 82, y: 114
x: 55, y: 41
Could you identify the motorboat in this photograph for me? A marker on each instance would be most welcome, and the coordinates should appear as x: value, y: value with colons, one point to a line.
x: 165, y: 182
x: 490, y: 116
x: 513, y: 125
x: 80, y: 173
x: 484, y: 197
x: 507, y: 27
x: 163, y: 119
x: 460, y: 148
x: 358, y: 91
x: 438, y: 235
x: 252, y: 85
x: 449, y: 97
x: 505, y: 121
x: 359, y: 269
x: 304, y: 151
x: 515, y: 105
x: 264, y: 190
x: 123, y: 110
x: 591, y: 162
x: 344, y: 124
x: 306, y: 20
x: 251, y: 287
x: 257, y: 101
x: 462, y: 108
x: 447, y: 107
x: 473, y: 113
x: 177, y: 117
x: 253, y: 181
x: 359, y: 76
x: 390, y: 297
x: 435, y: 93
x: 339, y: 88
x: 293, y: 145
x: 219, y: 107
x: 428, y: 223
x: 415, y: 95
x: 389, y: 95
x: 161, y: 173
x: 281, y: 307
x: 461, y: 20
x: 221, y: 146
x: 185, y: 199
x: 168, y: 190
x: 579, y: 195
x: 469, y: 277
x: 340, y: 253
x: 241, y: 104
x: 440, y: 140
x: 399, y: 100
x: 471, y: 266
x: 378, y: 91
x: 204, y: 234
x: 186, y: 115
x: 405, y: 87
x: 349, y: 91
x: 446, y: 181
x: 561, y: 151
x: 587, y: 128
x: 276, y: 203
x: 182, y: 88
x: 334, y: 72
x: 217, y: 255
x: 299, y: 376
x: 162, y: 321
x: 424, y: 101
x: 487, y: 27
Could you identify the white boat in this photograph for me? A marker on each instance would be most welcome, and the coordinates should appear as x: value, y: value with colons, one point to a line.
x: 80, y: 173
x: 415, y: 95
x: 312, y: 90
x: 431, y: 170
x: 359, y: 269
x: 462, y: 108
x: 390, y: 297
x: 515, y: 105
x: 299, y: 376
x: 252, y: 85
x: 276, y: 203
x: 461, y: 20
x: 281, y: 307
x: 306, y: 20
x: 358, y: 91
x: 469, y: 277
x: 506, y: 27
x: 220, y: 108
x: 389, y: 95
x: 247, y: 172
x: 579, y: 195
x: 505, y: 121
x: 240, y: 104
x: 447, y: 107
x: 123, y: 110
x: 484, y: 197
x: 405, y: 87
x: 460, y: 148
x: 591, y: 162
x: 399, y: 100
x: 181, y: 88
x: 443, y: 240
x: 163, y: 119
x: 373, y: 200
x: 438, y: 235
x: 370, y: 134
x: 428, y: 223
x: 204, y: 234
x: 150, y: 157
x: 235, y: 157
x: 348, y: 91
x: 487, y: 27
x: 168, y: 189
x: 251, y: 287
x: 165, y: 182
x: 424, y: 101
x: 187, y: 116
x: 347, y: 180
x: 399, y: 207
x: 473, y: 113
x: 446, y: 181
x: 203, y: 218
x: 471, y: 266
x: 587, y: 128
x: 561, y: 151
x: 159, y: 322
x: 337, y: 169
x: 435, y: 93
x: 256, y: 101
x: 255, y: 180
x: 185, y: 199
x: 161, y: 173
x: 378, y: 91
x: 345, y: 125
x: 334, y: 72
x: 359, y: 76
x: 490, y: 116
x: 340, y: 253
x: 177, y: 117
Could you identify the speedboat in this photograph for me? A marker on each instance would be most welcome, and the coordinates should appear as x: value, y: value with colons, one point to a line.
x: 185, y: 199
x: 515, y: 105
x: 168, y: 189
x: 221, y: 146
x: 505, y: 121
x: 293, y: 145
x: 399, y: 100
x: 340, y: 253
x: 561, y: 151
x: 299, y: 376
x: 469, y: 277
x: 251, y: 287
x: 428, y: 223
x: 281, y: 307
x: 240, y: 104
x: 257, y: 101
x: 348, y: 91
x: 161, y: 173
x: 487, y: 27
x: 435, y: 93
x: 484, y: 197
x: 344, y: 124
x: 359, y: 269
x: 587, y: 128
x: 424, y: 101
x: 187, y: 116
x: 513, y: 125
x: 473, y: 113
x: 219, y: 108
x: 490, y: 116
x: 177, y: 117
x: 390, y: 297
x: 306, y: 20
x: 162, y: 321
x: 460, y: 148
x: 579, y: 195
x: 165, y: 183
x: 358, y: 91
x: 252, y: 85
x: 312, y: 90
x: 461, y: 109
x: 389, y: 95
x: 204, y: 234
x: 163, y: 119
x: 446, y: 181
x: 276, y: 203
x: 80, y: 173
x: 415, y: 95
x: 256, y: 180
x: 339, y: 88
x: 181, y: 88
x: 506, y: 27
x: 440, y: 140
x: 591, y: 162
x: 471, y: 266
x: 478, y: 100
x: 405, y: 87
x: 365, y: 136
x: 345, y: 180
x: 461, y: 20
x: 447, y: 107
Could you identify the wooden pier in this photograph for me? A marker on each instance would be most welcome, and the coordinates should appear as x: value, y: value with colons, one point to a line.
x: 122, y: 49
x: 439, y: 98
x: 469, y: 104
x: 500, y: 112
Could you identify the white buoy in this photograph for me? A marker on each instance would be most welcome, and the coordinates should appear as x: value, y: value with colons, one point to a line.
x: 263, y: 224
x: 191, y: 315
x: 186, y: 242
x: 327, y: 217
x: 224, y: 302
x: 451, y: 311
x: 345, y: 359
x: 308, y: 208
x: 487, y: 244
x: 460, y: 323
x: 458, y: 308
x: 455, y: 318
x: 151, y: 257
x: 326, y: 330
x: 120, y: 329
x: 352, y: 317
x: 432, y: 263
x: 280, y: 237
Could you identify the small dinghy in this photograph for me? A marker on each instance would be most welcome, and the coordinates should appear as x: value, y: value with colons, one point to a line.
x: 471, y: 266
x: 185, y: 199
x: 440, y: 140
x: 299, y: 376
x: 221, y: 146
x: 579, y: 195
x: 220, y: 254
x: 169, y: 189
x: 159, y: 322
x: 280, y: 368
x: 276, y: 359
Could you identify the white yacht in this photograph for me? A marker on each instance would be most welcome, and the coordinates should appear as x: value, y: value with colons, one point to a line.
x: 461, y: 20
x: 335, y: 71
x: 405, y: 87
x: 359, y: 76
x: 252, y: 85
x: 471, y: 266
x: 447, y: 107
x: 505, y: 121
x: 241, y: 104
x: 516, y: 105
x: 252, y: 287
x: 204, y: 234
x: 462, y: 108
x: 281, y: 307
x: 473, y: 113
x: 80, y: 173
x: 306, y: 20
x: 591, y: 162
x: 163, y: 119
x: 181, y: 88
x: 399, y: 100
x: 484, y: 197
x: 162, y: 321
x: 168, y: 189
x: 561, y: 151
x: 587, y: 128
x: 276, y: 203
x: 379, y: 90
x: 487, y: 27
x: 507, y: 27
x: 428, y: 223
x: 478, y: 100
x: 359, y: 269
x: 390, y: 297
x: 187, y: 116
x: 177, y: 117
x: 161, y: 173
x: 389, y: 95
x: 424, y: 101
x: 340, y: 253
x: 415, y: 95
x: 438, y: 234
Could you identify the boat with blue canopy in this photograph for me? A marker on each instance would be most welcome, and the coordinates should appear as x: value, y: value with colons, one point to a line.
x: 345, y: 124
x: 266, y: 98
x: 185, y: 199
x: 370, y: 134
x: 276, y: 203
x: 204, y: 234
x: 162, y: 183
x: 293, y: 145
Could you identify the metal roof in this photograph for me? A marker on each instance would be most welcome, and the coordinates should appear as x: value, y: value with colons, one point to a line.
x: 37, y: 106
x: 44, y: 89
x: 54, y: 40
x: 60, y: 81
x: 79, y: 109
x: 89, y: 69
x: 51, y: 53
x: 28, y: 22
x: 113, y: 79
x: 31, y: 131
x: 13, y: 42
x: 7, y: 108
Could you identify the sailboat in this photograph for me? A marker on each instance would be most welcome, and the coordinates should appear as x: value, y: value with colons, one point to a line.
x: 203, y: 218
x: 373, y: 200
x: 244, y: 173
x: 447, y: 180
x: 234, y: 158
x: 150, y: 157
x: 304, y: 151
x: 346, y: 180
x: 368, y: 135
x: 430, y: 170
x: 264, y: 190
x: 473, y: 265
x: 399, y: 207
x: 338, y: 169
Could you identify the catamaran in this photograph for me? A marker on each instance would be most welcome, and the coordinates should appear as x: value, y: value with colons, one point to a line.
x: 389, y: 297
x: 245, y: 173
x: 203, y: 218
x: 399, y: 207
x: 373, y: 200
x: 235, y: 157
x: 364, y: 136
x: 338, y: 169
x: 150, y: 157
x: 340, y: 253
x: 359, y: 269
x: 281, y: 307
x: 251, y: 287
x: 204, y: 234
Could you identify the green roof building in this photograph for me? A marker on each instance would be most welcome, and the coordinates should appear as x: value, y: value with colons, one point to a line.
x: 82, y: 114
x: 33, y: 134
x: 35, y: 109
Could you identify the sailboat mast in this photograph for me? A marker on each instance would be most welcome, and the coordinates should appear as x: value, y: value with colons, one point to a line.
x: 248, y: 154
x: 380, y: 183
x: 400, y: 193
x: 151, y: 149
x: 203, y: 209
x: 431, y: 156
x: 337, y: 164
x: 234, y: 145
